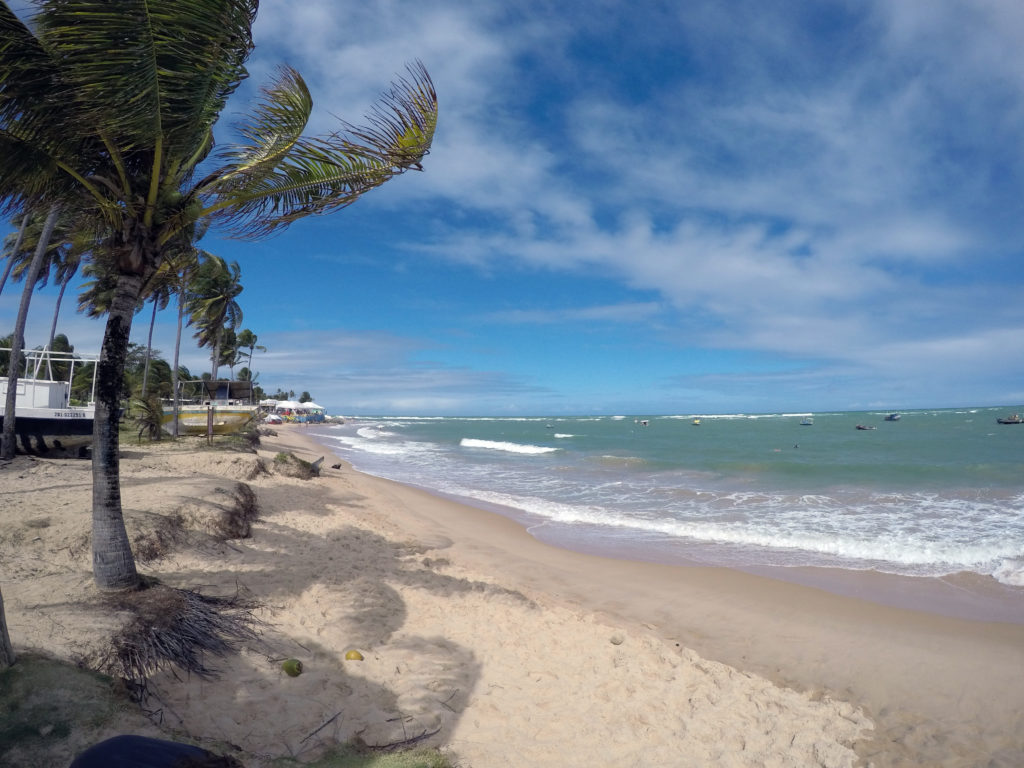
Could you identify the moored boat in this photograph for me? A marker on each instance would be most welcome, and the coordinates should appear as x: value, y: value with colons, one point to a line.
x: 43, y: 407
x: 1015, y: 419
x: 212, y: 407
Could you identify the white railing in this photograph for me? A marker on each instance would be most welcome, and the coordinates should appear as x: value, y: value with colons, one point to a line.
x: 36, y: 360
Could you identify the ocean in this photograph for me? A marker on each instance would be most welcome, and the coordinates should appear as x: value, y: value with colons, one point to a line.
x: 933, y: 494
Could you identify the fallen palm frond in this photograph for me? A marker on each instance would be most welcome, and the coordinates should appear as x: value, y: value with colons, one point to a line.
x: 178, y: 629
x: 236, y: 520
x: 156, y: 543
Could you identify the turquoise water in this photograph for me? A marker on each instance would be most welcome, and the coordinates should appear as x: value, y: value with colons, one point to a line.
x: 937, y: 492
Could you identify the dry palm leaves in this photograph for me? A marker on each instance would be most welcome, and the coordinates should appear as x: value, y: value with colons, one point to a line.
x: 177, y: 629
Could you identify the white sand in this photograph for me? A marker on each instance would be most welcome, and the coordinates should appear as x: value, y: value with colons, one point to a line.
x: 514, y: 652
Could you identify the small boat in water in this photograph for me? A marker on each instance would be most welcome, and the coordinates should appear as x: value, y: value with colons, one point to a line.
x: 43, y: 405
x: 865, y: 426
x: 696, y: 422
x: 893, y: 417
x: 807, y: 421
x: 212, y: 407
x: 1015, y: 419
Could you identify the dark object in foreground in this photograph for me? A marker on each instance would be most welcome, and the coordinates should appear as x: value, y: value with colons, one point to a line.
x: 143, y: 752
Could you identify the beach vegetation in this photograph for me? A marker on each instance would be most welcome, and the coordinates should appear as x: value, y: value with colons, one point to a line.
x: 38, y: 728
x: 108, y: 109
x: 149, y: 417
x: 291, y: 465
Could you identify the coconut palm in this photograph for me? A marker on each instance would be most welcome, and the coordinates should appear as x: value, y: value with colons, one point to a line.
x: 181, y: 264
x: 114, y: 101
x: 69, y: 245
x: 247, y: 340
x: 7, y: 445
x: 15, y: 247
x: 159, y: 293
x: 213, y: 309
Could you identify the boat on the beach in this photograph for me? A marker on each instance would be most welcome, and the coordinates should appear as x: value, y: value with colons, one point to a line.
x: 1015, y: 419
x: 43, y: 407
x: 212, y: 407
x: 893, y: 417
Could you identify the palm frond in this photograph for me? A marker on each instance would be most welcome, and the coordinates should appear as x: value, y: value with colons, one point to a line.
x: 139, y: 69
x: 402, y: 125
x: 271, y: 131
x: 280, y: 176
x: 26, y: 71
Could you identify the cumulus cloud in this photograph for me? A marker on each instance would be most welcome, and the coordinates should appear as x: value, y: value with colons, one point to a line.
x: 833, y: 187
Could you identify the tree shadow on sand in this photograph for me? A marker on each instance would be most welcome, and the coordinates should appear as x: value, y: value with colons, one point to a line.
x: 336, y: 587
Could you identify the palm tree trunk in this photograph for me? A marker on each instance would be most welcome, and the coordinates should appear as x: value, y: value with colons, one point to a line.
x: 113, y: 564
x: 174, y: 371
x: 14, y: 250
x: 6, y: 650
x: 7, y: 445
x: 149, y: 350
x: 216, y: 357
x: 56, y: 309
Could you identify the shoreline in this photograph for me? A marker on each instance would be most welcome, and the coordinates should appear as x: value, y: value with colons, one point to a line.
x: 916, y: 672
x: 503, y: 648
x: 965, y: 595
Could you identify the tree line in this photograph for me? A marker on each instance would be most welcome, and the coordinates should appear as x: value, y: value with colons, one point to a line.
x: 107, y: 113
x: 206, y: 298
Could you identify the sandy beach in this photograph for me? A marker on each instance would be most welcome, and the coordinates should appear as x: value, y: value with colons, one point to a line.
x: 501, y: 649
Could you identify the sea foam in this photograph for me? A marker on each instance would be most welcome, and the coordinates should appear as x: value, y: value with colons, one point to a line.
x: 497, y: 445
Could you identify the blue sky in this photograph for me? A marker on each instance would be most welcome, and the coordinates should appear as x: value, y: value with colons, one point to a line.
x: 651, y: 207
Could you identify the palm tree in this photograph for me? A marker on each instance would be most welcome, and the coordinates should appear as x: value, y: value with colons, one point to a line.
x: 213, y: 308
x: 181, y: 265
x: 65, y: 270
x: 247, y: 340
x: 159, y: 292
x: 7, y: 445
x: 69, y: 244
x: 114, y: 103
x: 15, y: 248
